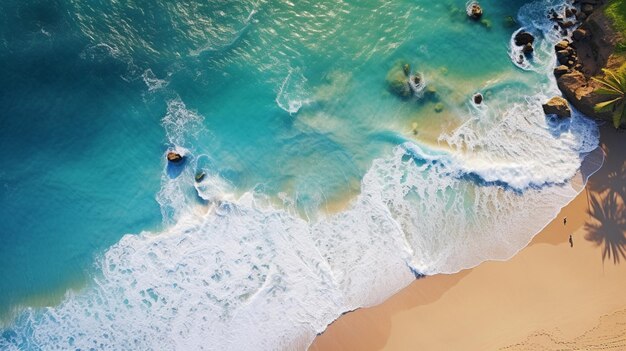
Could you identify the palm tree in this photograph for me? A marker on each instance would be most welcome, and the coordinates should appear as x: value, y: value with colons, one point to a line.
x: 613, y: 85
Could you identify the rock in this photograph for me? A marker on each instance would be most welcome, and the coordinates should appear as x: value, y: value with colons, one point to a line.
x: 553, y: 15
x: 438, y: 107
x: 563, y: 54
x: 200, y: 176
x: 528, y: 49
x: 416, y: 79
x: 398, y: 82
x: 510, y: 22
x: 576, y: 89
x: 174, y: 157
x: 430, y: 92
x: 523, y: 38
x: 579, y: 34
x: 581, y: 16
x: 474, y: 11
x: 566, y: 24
x: 557, y: 106
x: 587, y: 9
x: 407, y: 69
x: 563, y: 59
x: 416, y: 84
x: 568, y: 12
x: 478, y: 98
x: 561, y: 70
x: 562, y: 45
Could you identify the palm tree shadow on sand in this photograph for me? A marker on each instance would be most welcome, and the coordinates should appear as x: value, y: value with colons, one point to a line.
x: 607, y: 225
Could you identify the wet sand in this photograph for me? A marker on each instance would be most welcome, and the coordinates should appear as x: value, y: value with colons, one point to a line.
x: 550, y: 296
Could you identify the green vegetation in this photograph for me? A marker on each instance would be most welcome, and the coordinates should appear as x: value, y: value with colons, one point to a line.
x: 616, y: 11
x: 613, y: 86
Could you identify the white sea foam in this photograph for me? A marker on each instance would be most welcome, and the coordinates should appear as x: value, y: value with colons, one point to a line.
x: 291, y: 94
x: 152, y: 81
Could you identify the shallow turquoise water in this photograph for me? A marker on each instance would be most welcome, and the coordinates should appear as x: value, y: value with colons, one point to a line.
x: 277, y: 102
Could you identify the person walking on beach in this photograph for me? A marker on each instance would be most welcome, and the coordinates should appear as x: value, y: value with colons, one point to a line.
x: 564, y: 220
x: 571, y: 241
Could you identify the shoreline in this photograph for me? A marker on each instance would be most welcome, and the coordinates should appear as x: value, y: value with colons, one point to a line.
x: 431, y: 312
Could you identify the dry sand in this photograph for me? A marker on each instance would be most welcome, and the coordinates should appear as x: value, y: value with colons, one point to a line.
x: 550, y: 296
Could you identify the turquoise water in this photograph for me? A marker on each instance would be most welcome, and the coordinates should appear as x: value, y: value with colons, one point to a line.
x: 319, y: 197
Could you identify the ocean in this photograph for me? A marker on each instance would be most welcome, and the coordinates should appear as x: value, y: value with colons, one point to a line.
x: 309, y: 185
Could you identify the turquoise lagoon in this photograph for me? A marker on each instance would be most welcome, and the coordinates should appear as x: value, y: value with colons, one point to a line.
x: 323, y: 191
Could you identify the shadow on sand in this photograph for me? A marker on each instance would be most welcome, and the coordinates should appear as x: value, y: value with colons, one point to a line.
x: 606, y: 225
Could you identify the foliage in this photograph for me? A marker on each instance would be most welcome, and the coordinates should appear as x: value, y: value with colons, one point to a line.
x: 616, y: 11
x: 613, y: 86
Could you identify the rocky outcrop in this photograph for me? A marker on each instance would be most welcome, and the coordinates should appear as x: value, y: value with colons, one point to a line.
x: 174, y: 157
x: 474, y: 11
x: 522, y: 38
x: 401, y: 82
x: 398, y: 80
x: 592, y: 44
x: 525, y: 40
x: 557, y: 106
x: 478, y: 98
x: 579, y: 90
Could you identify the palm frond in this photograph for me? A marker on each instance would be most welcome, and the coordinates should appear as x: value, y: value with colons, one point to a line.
x: 619, y: 117
x: 603, y: 106
x: 609, y: 92
x: 608, y: 84
x: 612, y: 85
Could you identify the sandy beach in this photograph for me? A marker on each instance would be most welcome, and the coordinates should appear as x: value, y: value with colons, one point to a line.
x: 550, y: 296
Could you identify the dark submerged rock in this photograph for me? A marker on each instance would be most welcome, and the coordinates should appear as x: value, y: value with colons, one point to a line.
x: 523, y: 38
x: 478, y: 98
x: 528, y: 49
x: 398, y: 81
x: 200, y: 176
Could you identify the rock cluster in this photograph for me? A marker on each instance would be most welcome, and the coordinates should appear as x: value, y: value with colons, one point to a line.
x: 572, y: 15
x: 583, y: 57
x: 401, y: 82
x: 567, y: 57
